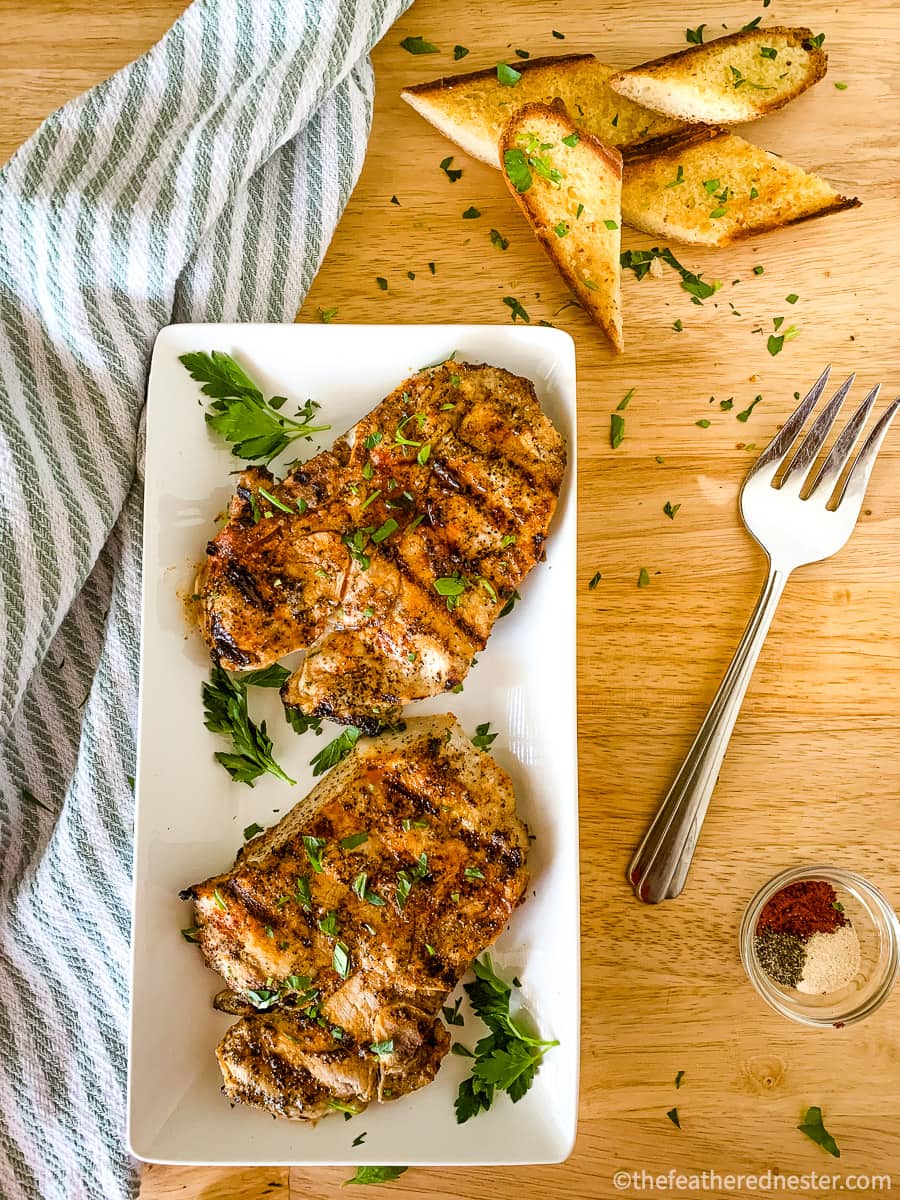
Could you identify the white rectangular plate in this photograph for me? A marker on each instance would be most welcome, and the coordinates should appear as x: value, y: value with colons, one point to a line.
x: 190, y: 816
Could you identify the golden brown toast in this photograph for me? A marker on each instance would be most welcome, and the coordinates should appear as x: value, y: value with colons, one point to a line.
x: 569, y: 185
x: 736, y: 78
x: 716, y: 190
x: 472, y: 109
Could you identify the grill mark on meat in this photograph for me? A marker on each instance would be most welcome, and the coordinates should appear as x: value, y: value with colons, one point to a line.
x: 225, y: 645
x: 420, y: 801
x: 242, y: 579
x: 392, y: 555
x: 485, y: 509
x: 481, y: 481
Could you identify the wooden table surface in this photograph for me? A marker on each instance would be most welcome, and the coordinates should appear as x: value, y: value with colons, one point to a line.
x: 813, y: 772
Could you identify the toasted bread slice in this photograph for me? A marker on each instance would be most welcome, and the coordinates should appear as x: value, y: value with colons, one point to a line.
x: 714, y: 191
x: 732, y: 79
x: 472, y: 109
x: 576, y: 212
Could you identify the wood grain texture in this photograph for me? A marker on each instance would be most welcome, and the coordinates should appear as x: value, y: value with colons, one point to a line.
x: 813, y: 772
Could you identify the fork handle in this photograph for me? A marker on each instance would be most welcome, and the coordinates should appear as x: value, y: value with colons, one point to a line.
x: 660, y: 866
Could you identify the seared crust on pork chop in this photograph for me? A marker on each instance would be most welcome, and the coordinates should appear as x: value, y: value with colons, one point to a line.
x: 390, y: 556
x: 358, y: 913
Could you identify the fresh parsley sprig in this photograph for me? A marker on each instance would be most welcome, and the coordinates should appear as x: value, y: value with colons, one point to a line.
x: 225, y: 712
x: 507, y: 1059
x: 255, y: 427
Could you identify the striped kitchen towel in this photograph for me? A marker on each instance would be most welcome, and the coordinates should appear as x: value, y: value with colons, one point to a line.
x: 201, y: 183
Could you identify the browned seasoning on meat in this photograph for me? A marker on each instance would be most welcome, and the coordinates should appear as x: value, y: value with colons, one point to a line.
x: 398, y: 549
x: 368, y: 946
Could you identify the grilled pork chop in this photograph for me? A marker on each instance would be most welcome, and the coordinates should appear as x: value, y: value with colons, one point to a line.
x: 390, y: 556
x: 345, y: 926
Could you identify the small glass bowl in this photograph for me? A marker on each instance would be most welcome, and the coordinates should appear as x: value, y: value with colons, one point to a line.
x: 878, y: 931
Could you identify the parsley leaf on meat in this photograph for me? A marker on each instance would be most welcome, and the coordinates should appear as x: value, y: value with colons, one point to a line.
x: 509, y: 605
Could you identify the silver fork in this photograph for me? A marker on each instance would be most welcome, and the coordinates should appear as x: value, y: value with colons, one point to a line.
x: 795, y: 524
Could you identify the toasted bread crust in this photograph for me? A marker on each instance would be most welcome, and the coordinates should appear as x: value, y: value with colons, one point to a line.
x: 670, y: 143
x: 840, y: 204
x: 449, y: 82
x: 608, y: 317
x: 797, y: 37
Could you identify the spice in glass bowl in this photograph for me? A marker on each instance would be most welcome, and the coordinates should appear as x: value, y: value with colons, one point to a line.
x: 805, y: 940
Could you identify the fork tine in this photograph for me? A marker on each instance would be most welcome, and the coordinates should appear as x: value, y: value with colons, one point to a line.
x: 775, y: 452
x: 840, y: 452
x: 795, y: 475
x: 858, y: 480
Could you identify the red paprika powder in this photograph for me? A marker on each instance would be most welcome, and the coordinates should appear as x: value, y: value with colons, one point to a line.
x: 802, y: 909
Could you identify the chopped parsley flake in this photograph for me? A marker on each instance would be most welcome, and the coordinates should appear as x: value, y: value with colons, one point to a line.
x: 340, y: 960
x: 507, y: 75
x: 418, y: 45
x: 313, y: 847
x: 745, y: 415
x: 483, y: 738
x: 516, y: 309
x: 616, y: 430
x: 452, y: 174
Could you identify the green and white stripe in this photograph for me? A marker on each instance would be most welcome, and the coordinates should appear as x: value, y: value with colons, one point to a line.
x: 203, y: 182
